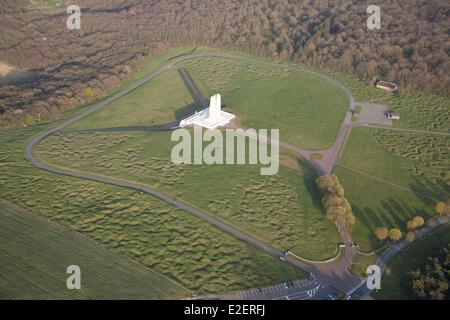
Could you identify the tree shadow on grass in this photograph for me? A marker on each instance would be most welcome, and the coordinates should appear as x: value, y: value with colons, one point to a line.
x: 400, y: 208
x: 394, y: 212
x: 186, y: 111
x: 439, y: 189
x: 309, y: 180
x: 366, y: 216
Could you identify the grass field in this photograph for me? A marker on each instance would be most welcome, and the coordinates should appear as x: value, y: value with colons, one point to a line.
x: 283, y: 210
x: 137, y: 226
x: 418, y: 110
x: 395, y: 284
x: 35, y: 254
x: 307, y: 109
x: 261, y: 96
x: 416, y: 161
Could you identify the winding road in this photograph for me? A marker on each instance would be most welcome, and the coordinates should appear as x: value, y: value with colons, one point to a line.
x: 35, y: 161
x: 332, y: 274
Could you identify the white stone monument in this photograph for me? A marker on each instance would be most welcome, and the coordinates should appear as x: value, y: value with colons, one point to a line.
x: 210, y: 118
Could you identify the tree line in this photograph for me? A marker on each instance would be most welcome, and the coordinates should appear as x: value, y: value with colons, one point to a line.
x: 118, y: 36
x: 337, y: 207
x: 412, y: 225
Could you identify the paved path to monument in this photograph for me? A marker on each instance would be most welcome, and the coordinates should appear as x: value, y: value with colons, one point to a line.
x: 325, y: 274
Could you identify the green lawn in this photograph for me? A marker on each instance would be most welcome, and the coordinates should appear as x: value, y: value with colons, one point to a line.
x: 144, y: 69
x: 377, y: 204
x: 35, y: 254
x: 415, y: 161
x: 239, y: 80
x: 418, y: 110
x: 141, y: 228
x: 164, y: 99
x: 307, y: 109
x: 359, y: 265
x: 412, y: 160
x: 395, y: 284
x: 283, y: 210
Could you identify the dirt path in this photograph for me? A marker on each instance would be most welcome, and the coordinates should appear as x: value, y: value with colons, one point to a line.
x: 375, y: 126
x: 387, y: 182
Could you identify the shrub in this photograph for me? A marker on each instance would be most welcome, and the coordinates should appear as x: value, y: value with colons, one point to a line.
x: 89, y: 92
x: 410, y: 236
x: 382, y: 233
x: 395, y: 234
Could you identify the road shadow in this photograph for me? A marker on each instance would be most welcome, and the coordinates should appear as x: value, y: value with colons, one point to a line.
x: 195, y: 93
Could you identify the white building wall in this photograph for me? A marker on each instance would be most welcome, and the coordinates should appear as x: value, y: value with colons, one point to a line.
x: 214, y: 106
x: 210, y: 118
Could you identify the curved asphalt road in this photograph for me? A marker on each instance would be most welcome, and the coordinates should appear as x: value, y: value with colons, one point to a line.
x: 362, y: 292
x: 335, y: 273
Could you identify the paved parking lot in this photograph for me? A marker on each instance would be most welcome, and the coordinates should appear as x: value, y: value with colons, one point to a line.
x: 373, y: 114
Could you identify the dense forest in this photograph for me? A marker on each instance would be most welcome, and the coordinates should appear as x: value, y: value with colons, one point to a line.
x: 70, y: 67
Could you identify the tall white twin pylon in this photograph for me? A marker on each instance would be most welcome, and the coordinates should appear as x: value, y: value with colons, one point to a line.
x: 210, y: 118
x: 215, y: 106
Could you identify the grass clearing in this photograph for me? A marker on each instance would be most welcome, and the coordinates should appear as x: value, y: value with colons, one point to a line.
x: 316, y: 156
x: 307, y: 109
x: 377, y: 204
x: 164, y: 99
x: 413, y: 160
x: 283, y: 210
x: 395, y: 283
x: 140, y: 227
x: 359, y: 265
x: 262, y: 96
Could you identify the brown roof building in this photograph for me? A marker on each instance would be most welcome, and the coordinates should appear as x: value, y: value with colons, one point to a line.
x: 388, y: 86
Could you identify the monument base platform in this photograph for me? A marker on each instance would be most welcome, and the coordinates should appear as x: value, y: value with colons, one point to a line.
x: 202, y: 119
